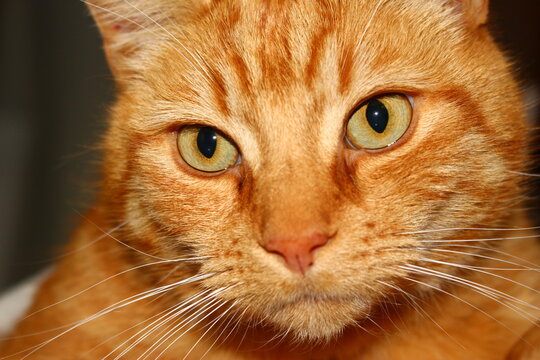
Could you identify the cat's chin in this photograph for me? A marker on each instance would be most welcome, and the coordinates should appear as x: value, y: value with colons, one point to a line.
x: 312, y: 319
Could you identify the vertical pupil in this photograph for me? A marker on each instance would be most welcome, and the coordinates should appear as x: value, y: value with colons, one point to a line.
x: 207, y: 141
x: 377, y: 115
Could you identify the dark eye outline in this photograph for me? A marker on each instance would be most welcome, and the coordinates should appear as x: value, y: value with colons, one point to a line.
x: 411, y: 98
x: 194, y: 171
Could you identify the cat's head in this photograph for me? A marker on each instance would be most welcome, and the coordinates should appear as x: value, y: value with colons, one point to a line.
x: 303, y: 146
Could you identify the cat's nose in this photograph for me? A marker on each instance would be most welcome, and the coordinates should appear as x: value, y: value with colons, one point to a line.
x: 297, y: 251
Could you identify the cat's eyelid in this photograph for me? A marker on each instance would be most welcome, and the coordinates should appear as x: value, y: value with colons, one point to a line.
x: 407, y: 92
x: 350, y: 143
x: 411, y: 100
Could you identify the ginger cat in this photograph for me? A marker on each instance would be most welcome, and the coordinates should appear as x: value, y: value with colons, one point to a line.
x: 300, y: 179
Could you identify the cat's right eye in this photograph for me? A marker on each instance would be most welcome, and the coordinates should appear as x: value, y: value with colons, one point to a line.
x: 205, y: 149
x: 379, y: 122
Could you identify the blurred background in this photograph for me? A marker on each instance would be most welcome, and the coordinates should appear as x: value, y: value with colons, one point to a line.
x: 54, y: 92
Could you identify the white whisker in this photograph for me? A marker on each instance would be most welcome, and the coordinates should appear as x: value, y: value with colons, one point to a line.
x: 247, y: 326
x: 521, y: 267
x: 460, y: 299
x: 145, y: 28
x: 220, y: 303
x: 481, y: 270
x: 121, y: 304
x: 207, y: 301
x: 523, y: 173
x: 174, y: 38
x: 480, y: 289
x: 413, y: 302
x: 126, y: 330
x: 484, y: 239
x: 119, y: 241
x: 226, y: 337
x: 182, y: 323
x: 209, y: 328
x: 483, y: 248
x: 469, y: 228
x: 161, y: 315
x: 85, y: 246
x: 142, y: 322
x: 88, y: 289
x: 167, y: 333
x: 476, y: 285
x: 368, y: 25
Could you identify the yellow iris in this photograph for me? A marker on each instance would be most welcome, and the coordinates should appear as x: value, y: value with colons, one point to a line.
x: 379, y: 122
x: 206, y: 149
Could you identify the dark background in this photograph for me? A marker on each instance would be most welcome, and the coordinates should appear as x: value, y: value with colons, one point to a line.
x: 54, y: 89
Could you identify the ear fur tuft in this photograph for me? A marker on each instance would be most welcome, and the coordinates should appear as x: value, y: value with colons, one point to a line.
x: 131, y: 27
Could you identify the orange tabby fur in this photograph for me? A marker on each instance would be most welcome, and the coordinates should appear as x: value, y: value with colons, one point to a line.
x: 280, y: 78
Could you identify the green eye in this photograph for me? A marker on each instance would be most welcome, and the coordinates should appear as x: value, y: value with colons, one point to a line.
x: 379, y: 122
x: 206, y: 149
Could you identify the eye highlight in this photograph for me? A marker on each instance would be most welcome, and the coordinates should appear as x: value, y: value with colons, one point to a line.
x: 379, y: 122
x: 204, y: 148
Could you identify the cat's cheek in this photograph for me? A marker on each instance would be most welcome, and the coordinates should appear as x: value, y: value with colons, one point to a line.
x: 167, y: 193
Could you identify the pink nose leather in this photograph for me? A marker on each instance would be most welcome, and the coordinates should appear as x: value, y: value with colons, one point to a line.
x: 297, y: 251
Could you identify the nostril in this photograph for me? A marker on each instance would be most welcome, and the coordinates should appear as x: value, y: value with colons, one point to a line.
x: 297, y: 251
x: 271, y: 250
x: 319, y: 240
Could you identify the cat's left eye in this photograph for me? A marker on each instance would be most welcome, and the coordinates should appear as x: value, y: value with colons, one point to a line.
x: 204, y: 148
x: 379, y: 122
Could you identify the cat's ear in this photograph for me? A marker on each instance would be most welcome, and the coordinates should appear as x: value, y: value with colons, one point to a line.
x: 130, y: 28
x: 474, y: 12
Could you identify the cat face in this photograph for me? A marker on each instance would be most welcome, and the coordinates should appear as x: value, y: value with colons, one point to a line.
x: 304, y: 228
